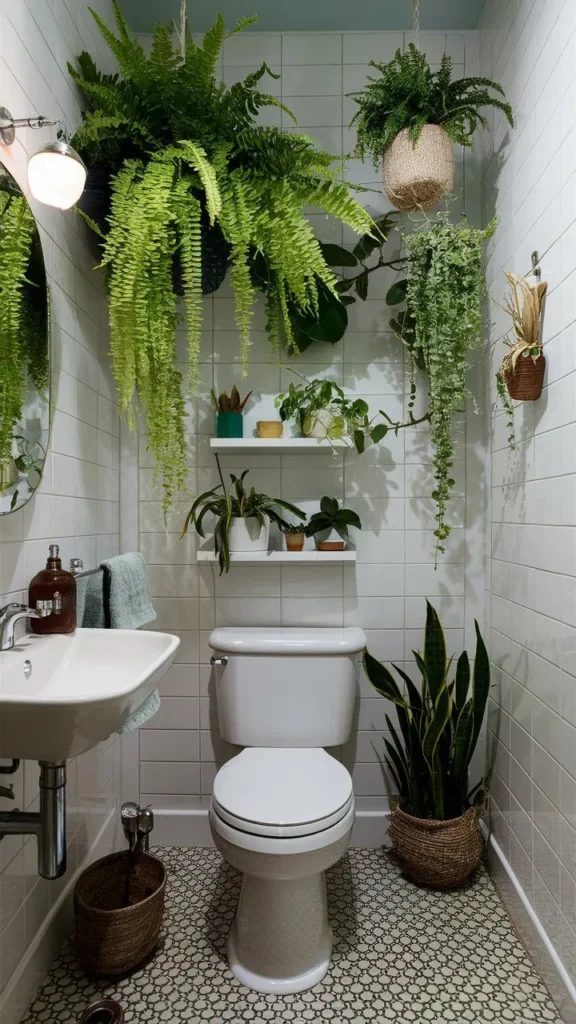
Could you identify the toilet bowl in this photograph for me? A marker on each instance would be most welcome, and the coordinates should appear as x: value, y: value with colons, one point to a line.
x: 281, y: 817
x: 282, y: 810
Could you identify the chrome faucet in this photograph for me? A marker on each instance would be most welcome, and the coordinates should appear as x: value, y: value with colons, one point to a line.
x: 12, y: 613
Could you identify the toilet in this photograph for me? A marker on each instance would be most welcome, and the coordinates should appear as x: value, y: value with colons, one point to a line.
x: 282, y: 810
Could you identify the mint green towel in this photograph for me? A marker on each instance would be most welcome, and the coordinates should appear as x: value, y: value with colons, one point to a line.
x: 90, y: 601
x: 146, y: 710
x: 127, y: 597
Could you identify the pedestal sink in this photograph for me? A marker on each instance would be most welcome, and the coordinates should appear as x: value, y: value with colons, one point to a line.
x: 62, y: 694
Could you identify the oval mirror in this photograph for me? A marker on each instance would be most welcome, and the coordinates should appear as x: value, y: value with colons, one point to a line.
x: 24, y: 349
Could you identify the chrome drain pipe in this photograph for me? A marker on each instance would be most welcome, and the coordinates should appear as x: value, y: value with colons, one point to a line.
x: 48, y: 825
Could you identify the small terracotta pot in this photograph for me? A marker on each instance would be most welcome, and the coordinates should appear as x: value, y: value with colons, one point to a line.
x: 270, y: 428
x: 331, y: 545
x: 294, y: 541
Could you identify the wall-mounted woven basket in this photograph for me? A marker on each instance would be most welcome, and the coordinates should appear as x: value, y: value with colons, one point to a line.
x: 118, y: 907
x: 416, y: 175
x: 441, y: 854
x: 526, y: 380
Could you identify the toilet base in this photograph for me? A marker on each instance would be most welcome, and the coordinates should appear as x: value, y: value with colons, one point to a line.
x: 275, y: 986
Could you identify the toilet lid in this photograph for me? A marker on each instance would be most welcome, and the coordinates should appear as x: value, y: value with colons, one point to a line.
x: 282, y: 791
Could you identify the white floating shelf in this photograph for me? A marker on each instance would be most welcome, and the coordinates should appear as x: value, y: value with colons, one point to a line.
x: 283, y: 557
x: 274, y: 445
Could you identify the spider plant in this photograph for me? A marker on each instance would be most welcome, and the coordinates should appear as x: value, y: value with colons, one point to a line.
x: 235, y: 502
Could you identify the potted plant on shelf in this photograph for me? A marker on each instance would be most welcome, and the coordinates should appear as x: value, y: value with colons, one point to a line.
x: 330, y: 525
x: 435, y: 826
x: 521, y: 372
x: 294, y: 535
x: 229, y: 409
x: 242, y: 518
x: 185, y: 152
x: 322, y: 410
x: 408, y: 119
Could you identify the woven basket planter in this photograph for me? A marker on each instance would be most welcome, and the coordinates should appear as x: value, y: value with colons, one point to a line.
x: 441, y: 854
x: 111, y: 937
x: 416, y: 175
x: 526, y: 380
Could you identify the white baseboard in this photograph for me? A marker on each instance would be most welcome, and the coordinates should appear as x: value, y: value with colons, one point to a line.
x: 532, y: 933
x: 38, y: 958
x: 191, y: 828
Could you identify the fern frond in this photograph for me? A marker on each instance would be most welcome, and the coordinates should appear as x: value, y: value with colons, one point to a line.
x: 187, y: 212
x: 237, y: 220
x: 129, y: 54
x: 195, y: 155
x: 17, y: 227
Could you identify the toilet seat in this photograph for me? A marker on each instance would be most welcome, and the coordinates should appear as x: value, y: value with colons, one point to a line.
x: 282, y: 793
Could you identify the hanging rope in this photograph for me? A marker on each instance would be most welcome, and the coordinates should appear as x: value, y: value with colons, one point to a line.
x: 183, y: 29
x: 416, y: 24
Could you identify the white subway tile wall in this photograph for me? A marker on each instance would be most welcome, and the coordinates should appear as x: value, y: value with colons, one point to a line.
x: 529, y: 182
x: 78, y: 501
x: 389, y: 486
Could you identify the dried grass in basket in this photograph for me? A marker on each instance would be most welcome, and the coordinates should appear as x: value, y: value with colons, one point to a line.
x: 417, y: 174
x: 111, y: 938
x: 523, y: 366
x: 442, y: 854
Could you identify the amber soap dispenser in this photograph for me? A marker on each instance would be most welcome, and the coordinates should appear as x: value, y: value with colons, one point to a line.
x: 59, y: 586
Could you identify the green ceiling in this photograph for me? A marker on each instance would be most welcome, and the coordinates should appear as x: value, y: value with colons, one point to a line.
x: 311, y: 15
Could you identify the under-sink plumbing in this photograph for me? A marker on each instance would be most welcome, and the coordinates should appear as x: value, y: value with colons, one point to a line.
x: 48, y: 824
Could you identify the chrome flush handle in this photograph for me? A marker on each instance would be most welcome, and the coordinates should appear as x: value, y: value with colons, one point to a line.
x: 219, y: 661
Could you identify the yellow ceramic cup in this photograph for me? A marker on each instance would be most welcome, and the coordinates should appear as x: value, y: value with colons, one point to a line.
x: 270, y: 428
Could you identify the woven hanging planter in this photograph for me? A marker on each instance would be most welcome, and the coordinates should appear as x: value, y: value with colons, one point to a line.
x: 526, y: 380
x: 110, y: 937
x: 441, y: 854
x: 416, y: 175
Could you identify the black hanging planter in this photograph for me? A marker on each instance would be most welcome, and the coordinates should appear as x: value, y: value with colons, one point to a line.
x: 95, y: 203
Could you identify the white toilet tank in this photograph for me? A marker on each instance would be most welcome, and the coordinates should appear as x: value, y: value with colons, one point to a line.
x: 286, y: 687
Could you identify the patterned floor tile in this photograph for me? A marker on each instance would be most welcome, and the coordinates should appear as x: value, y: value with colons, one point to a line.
x: 401, y: 954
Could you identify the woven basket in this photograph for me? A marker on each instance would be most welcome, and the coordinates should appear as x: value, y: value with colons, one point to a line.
x: 442, y: 854
x: 111, y: 937
x: 416, y: 175
x: 526, y: 380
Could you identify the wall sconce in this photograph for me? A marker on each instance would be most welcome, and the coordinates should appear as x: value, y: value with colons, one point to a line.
x: 56, y: 174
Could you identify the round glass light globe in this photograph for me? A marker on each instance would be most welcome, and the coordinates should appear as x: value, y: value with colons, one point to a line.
x: 57, y: 175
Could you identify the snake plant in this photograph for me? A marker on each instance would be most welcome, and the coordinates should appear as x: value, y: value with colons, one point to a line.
x: 440, y: 725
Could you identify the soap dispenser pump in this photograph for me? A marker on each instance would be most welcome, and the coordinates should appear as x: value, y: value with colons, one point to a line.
x: 57, y: 585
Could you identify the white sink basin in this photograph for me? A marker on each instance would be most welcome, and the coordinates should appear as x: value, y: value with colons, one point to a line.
x: 80, y: 689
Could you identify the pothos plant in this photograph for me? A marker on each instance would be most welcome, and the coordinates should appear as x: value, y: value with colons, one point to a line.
x: 443, y: 321
x: 184, y: 145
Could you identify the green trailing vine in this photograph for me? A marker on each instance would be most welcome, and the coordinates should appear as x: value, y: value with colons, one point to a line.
x: 17, y: 229
x: 508, y: 408
x: 184, y: 154
x: 444, y: 292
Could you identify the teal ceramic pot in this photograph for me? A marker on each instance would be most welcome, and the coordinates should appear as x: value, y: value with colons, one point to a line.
x: 229, y: 424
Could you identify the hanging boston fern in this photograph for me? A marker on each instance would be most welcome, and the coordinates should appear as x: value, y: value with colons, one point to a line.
x: 409, y: 117
x: 17, y: 229
x: 444, y: 293
x: 185, y: 150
